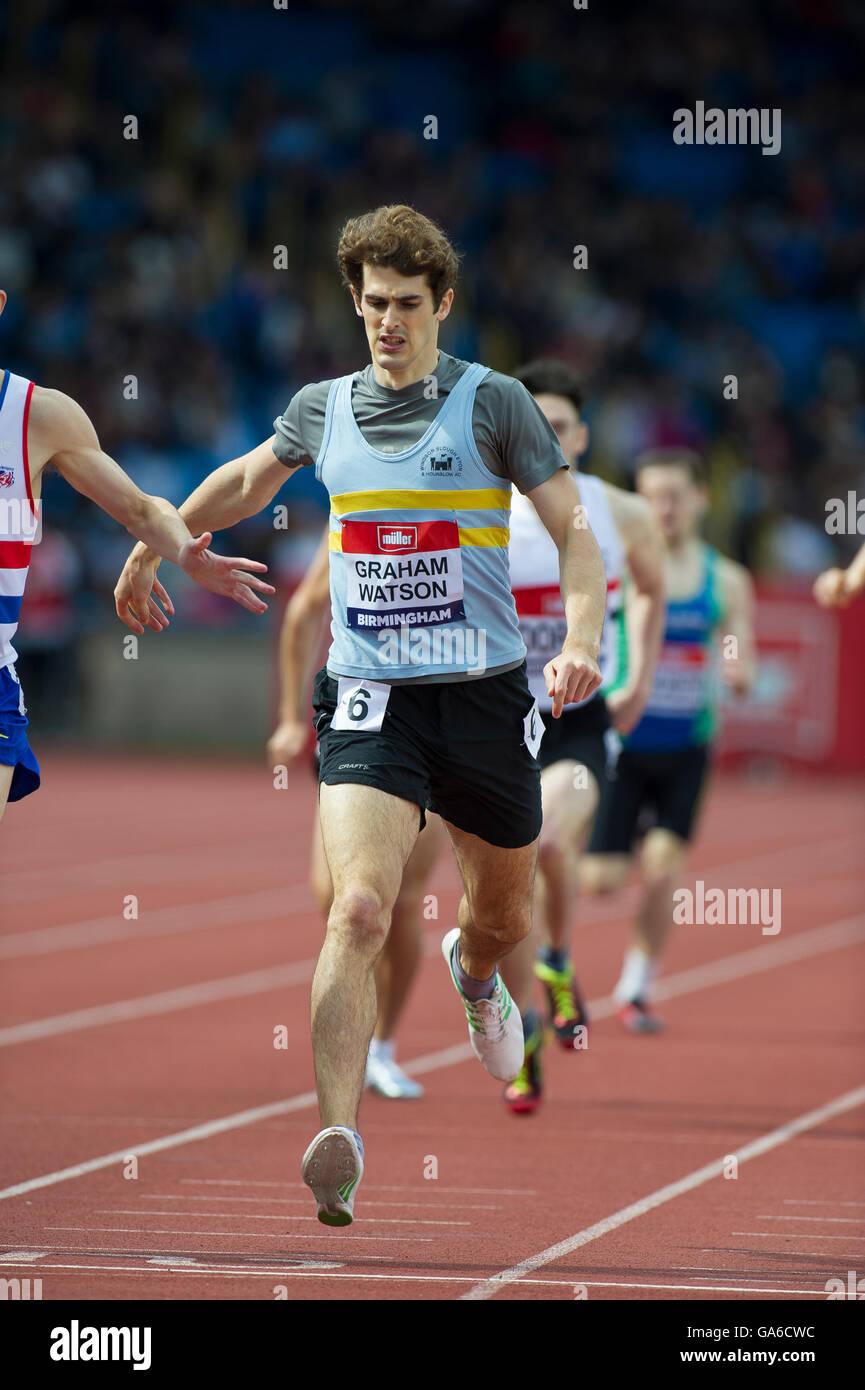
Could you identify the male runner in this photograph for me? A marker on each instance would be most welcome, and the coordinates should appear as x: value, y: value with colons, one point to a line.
x: 397, y: 966
x: 835, y: 587
x: 418, y: 452
x: 662, y: 766
x: 40, y: 427
x: 573, y: 754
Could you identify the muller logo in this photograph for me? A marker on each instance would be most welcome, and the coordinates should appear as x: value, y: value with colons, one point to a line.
x: 7, y: 477
x: 393, y: 539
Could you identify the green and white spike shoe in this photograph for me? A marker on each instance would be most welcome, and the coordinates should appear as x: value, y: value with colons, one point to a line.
x: 495, y: 1026
x: 332, y: 1167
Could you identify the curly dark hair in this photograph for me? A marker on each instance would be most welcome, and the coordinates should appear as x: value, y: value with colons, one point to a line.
x: 398, y: 236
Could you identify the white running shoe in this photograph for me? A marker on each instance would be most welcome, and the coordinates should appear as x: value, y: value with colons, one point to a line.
x: 495, y: 1025
x: 387, y: 1079
x: 332, y: 1166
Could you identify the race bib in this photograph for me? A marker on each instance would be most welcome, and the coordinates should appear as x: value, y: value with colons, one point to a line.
x: 543, y: 628
x: 681, y: 679
x: 360, y: 704
x: 402, y: 574
x: 533, y: 730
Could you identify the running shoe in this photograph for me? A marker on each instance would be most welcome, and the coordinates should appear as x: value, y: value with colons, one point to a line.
x: 637, y: 1016
x: 567, y: 1010
x: 495, y: 1025
x: 524, y: 1093
x: 332, y: 1167
x: 387, y: 1079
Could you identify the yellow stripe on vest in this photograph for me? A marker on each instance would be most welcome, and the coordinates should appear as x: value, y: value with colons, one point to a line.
x: 469, y: 535
x: 421, y: 499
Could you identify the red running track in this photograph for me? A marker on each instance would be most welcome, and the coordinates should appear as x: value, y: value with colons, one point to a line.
x: 146, y: 1045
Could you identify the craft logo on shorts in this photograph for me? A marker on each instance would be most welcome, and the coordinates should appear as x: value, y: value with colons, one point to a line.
x: 394, y: 540
x: 7, y: 477
x: 441, y: 463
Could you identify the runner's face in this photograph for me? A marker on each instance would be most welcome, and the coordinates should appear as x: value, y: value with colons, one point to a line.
x: 401, y: 323
x: 676, y: 500
x: 565, y: 420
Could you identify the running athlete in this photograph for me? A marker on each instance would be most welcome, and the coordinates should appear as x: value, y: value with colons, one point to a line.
x: 424, y: 701
x: 662, y: 767
x: 834, y: 588
x: 38, y: 427
x: 397, y: 966
x: 573, y: 754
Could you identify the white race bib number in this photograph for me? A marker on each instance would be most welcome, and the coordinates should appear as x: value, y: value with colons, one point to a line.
x: 533, y: 729
x: 360, y: 704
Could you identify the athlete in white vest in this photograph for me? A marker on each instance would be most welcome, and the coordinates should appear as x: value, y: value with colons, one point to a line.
x: 424, y: 702
x: 37, y: 427
x: 574, y: 751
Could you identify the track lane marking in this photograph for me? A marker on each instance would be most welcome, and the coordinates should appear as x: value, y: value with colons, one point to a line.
x: 819, y: 939
x: 487, y: 1288
x: 811, y: 941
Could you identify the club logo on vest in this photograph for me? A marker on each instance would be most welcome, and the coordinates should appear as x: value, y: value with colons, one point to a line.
x: 441, y: 463
x: 7, y: 477
x: 394, y: 540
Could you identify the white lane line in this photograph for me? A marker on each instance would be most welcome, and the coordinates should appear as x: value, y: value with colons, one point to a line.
x: 260, y: 1216
x: 296, y: 1201
x: 486, y: 1288
x: 795, y: 1235
x: 818, y: 939
x: 323, y: 1272
x: 814, y: 941
x: 273, y: 977
x: 263, y: 905
x: 379, y: 1187
x: 819, y: 1202
x: 267, y: 903
x: 247, y: 1235
x: 847, y: 1220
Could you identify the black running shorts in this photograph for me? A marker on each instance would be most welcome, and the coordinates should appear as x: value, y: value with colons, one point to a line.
x: 578, y: 736
x: 456, y: 748
x: 648, y: 790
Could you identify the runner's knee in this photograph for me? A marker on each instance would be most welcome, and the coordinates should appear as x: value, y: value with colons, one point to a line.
x: 360, y: 912
x: 661, y: 857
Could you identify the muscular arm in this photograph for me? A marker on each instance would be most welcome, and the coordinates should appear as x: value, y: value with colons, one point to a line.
x: 229, y: 494
x: 61, y: 433
x: 737, y: 595
x: 633, y: 518
x: 299, y: 641
x: 574, y: 674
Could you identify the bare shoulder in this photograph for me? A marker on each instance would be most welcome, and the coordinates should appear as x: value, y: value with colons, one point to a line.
x: 57, y: 422
x: 631, y: 512
x: 736, y: 581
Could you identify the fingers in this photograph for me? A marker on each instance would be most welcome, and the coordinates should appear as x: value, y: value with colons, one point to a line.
x: 569, y: 682
x: 162, y: 594
x: 247, y: 599
x: 239, y: 563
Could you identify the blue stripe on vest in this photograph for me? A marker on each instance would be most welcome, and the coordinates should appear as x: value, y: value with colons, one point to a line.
x: 10, y: 608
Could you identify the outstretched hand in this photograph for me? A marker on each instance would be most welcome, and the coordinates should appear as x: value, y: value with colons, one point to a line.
x: 220, y: 574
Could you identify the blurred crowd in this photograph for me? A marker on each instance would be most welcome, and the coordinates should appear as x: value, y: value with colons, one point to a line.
x: 141, y: 277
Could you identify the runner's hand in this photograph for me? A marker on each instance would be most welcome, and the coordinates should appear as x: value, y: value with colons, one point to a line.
x: 830, y: 589
x: 235, y: 578
x: 288, y: 739
x: 570, y: 677
x: 626, y: 707
x: 136, y: 592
